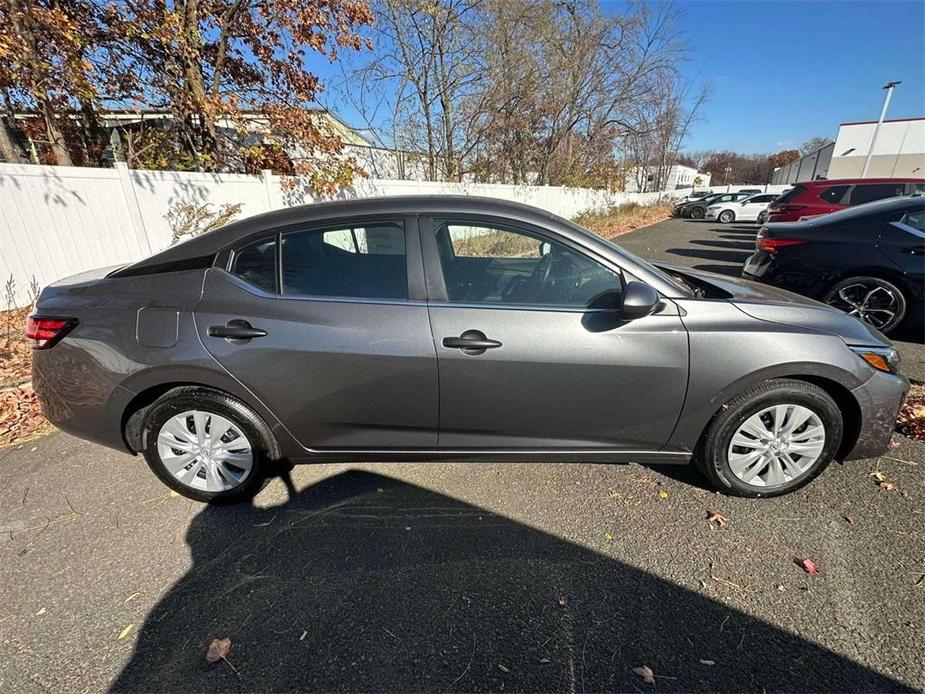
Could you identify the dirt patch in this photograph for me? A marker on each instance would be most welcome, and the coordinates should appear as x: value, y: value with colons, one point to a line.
x: 623, y: 219
x: 911, y: 420
x: 21, y: 419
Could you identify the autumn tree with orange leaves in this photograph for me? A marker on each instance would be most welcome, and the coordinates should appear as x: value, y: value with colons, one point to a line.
x: 232, y: 74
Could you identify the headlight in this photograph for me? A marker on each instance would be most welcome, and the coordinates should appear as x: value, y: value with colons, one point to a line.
x: 881, y: 358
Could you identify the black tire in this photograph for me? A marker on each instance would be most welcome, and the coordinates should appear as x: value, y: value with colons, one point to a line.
x: 711, y: 456
x: 698, y: 213
x: 726, y: 217
x: 897, y: 302
x: 263, y: 445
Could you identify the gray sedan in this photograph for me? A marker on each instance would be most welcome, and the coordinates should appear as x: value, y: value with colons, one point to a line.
x: 445, y: 328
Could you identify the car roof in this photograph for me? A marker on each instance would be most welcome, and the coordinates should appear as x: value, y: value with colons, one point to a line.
x: 900, y: 202
x: 215, y: 241
x: 855, y: 181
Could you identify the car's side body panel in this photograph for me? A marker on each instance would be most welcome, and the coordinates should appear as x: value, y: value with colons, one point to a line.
x: 340, y: 374
x: 560, y: 380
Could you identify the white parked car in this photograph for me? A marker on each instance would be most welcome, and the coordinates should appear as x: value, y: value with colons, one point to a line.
x: 746, y: 210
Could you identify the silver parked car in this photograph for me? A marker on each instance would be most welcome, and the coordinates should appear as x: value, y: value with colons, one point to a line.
x: 439, y: 328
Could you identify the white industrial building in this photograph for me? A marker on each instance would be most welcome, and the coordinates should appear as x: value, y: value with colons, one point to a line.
x: 643, y: 179
x: 899, y: 152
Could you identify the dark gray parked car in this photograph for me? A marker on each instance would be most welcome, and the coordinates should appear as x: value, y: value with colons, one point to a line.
x: 438, y: 328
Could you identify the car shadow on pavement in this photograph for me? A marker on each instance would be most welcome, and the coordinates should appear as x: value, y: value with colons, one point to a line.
x: 365, y: 582
x: 710, y: 254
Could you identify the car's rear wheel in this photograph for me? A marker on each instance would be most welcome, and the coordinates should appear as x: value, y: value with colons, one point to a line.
x: 772, y: 439
x: 698, y: 213
x: 875, y: 301
x: 206, y: 445
x: 726, y: 216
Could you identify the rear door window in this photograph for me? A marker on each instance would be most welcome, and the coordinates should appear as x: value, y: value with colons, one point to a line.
x: 363, y: 261
x: 868, y: 192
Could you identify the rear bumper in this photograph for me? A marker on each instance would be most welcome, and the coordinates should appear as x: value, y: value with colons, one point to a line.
x: 766, y: 268
x: 879, y: 400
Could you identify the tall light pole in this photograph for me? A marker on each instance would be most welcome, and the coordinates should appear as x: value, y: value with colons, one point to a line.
x: 889, y: 86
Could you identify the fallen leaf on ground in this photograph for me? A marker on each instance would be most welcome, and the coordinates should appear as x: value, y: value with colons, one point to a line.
x: 707, y: 662
x: 809, y: 566
x: 849, y: 520
x: 218, y: 650
x: 41, y: 612
x: 125, y: 632
x: 887, y: 485
x: 718, y: 518
x: 877, y: 475
x: 662, y: 494
x: 563, y: 600
x: 502, y: 668
x: 608, y: 536
x: 645, y: 673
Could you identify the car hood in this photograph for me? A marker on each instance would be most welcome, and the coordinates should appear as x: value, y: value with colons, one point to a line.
x: 774, y: 305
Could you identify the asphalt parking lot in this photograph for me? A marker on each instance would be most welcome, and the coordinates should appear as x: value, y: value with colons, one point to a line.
x: 464, y: 577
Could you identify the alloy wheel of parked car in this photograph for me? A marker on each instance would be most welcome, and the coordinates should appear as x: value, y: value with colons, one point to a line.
x: 206, y: 445
x: 771, y: 439
x: 698, y: 213
x: 875, y: 301
x: 726, y: 216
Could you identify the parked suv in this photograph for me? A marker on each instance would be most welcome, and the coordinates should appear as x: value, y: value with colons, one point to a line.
x: 812, y: 198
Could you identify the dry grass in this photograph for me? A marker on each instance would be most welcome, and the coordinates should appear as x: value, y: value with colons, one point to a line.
x: 625, y: 218
x: 21, y: 419
x: 911, y: 421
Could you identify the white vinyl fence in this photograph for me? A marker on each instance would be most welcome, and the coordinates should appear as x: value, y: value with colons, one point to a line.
x: 57, y: 221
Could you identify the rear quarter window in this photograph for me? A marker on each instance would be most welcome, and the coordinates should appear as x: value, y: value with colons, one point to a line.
x: 256, y: 263
x: 791, y: 194
x: 835, y: 195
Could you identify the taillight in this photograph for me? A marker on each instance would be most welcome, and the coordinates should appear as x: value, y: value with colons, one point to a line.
x: 771, y: 245
x: 46, y: 332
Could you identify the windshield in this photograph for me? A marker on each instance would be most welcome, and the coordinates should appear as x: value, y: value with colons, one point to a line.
x: 658, y: 272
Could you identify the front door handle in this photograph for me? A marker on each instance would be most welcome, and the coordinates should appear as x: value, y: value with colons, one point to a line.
x: 236, y: 331
x: 471, y: 342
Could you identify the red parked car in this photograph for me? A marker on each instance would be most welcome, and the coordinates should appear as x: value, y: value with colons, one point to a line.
x: 813, y: 198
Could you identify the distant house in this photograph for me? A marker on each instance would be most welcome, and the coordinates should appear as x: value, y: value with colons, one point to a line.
x: 645, y: 179
x: 119, y: 123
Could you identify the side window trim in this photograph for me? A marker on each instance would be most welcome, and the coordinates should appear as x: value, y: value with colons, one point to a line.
x: 433, y: 270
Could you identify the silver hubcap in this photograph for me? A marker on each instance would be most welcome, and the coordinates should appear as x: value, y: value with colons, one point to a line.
x: 205, y: 451
x: 872, y: 303
x: 777, y: 445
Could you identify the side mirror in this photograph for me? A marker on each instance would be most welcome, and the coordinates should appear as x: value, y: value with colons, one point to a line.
x: 639, y: 300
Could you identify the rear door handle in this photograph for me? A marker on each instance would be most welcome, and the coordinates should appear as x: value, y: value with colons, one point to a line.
x: 471, y: 342
x: 236, y: 330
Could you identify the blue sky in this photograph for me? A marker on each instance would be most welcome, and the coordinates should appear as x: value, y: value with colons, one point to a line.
x: 785, y: 71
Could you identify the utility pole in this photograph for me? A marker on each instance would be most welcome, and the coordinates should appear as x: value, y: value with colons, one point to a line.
x: 889, y: 86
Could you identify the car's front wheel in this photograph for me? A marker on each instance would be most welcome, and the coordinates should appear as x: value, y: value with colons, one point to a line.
x: 698, y: 213
x: 206, y: 445
x: 875, y: 301
x: 726, y: 216
x: 770, y: 440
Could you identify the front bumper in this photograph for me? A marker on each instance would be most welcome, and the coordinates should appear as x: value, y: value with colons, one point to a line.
x: 879, y: 400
